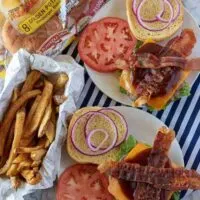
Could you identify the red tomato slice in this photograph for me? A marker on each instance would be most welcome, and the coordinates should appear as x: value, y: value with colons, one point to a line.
x: 83, y: 182
x: 104, y: 41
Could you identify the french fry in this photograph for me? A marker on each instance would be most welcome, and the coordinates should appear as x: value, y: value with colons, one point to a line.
x: 24, y: 165
x: 15, y: 94
x: 39, y: 84
x: 9, y: 116
x: 15, y: 181
x: 20, y: 158
x: 8, y: 145
x: 31, y: 177
x: 51, y: 131
x: 46, y: 118
x: 38, y: 154
x: 32, y: 110
x: 31, y: 79
x: 37, y: 118
x: 35, y: 180
x: 36, y: 163
x: 27, y: 149
x: 13, y: 170
x: 53, y: 115
x: 61, y: 81
x: 27, y: 174
x: 19, y: 124
x: 36, y: 169
x: 44, y: 142
x: 59, y: 99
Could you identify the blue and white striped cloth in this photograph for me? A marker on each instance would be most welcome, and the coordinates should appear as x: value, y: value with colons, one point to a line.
x: 183, y: 116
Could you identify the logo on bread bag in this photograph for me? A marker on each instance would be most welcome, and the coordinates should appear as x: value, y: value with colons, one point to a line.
x: 56, y: 43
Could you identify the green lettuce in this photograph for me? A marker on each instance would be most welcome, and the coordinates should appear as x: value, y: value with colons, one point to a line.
x: 184, y: 91
x: 122, y: 90
x: 126, y: 147
x: 176, y: 196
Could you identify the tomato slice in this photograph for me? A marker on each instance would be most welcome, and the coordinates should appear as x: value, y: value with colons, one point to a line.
x: 104, y: 41
x: 83, y: 182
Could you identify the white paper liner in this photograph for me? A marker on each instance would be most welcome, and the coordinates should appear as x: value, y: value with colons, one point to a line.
x: 16, y: 73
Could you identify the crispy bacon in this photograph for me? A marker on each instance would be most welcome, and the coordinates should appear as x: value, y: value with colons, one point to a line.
x: 173, y: 179
x: 157, y: 158
x: 159, y: 153
x: 184, y: 43
x: 148, y: 60
x: 193, y: 64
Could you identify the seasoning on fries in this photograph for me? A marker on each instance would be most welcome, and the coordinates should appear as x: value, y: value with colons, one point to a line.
x: 28, y: 128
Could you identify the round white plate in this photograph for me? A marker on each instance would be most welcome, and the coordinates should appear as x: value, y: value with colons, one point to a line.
x: 108, y: 82
x: 143, y: 127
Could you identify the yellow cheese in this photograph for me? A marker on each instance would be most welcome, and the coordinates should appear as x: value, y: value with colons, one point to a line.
x: 115, y: 189
x: 156, y: 102
x: 135, y: 151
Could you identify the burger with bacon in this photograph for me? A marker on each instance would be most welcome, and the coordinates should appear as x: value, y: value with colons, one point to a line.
x: 147, y: 173
x: 156, y: 74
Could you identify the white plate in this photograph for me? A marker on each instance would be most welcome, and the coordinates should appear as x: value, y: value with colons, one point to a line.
x: 108, y: 82
x: 143, y: 127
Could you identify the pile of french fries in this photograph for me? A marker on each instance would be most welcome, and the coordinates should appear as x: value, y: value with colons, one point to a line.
x: 29, y: 125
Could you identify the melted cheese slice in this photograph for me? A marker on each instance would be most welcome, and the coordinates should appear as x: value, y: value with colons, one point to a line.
x: 156, y: 102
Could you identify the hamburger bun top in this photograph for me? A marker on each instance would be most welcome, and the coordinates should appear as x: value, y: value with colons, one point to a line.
x: 75, y: 154
x: 149, y: 10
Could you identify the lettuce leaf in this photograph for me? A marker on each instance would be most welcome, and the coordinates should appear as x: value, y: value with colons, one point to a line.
x: 184, y: 91
x: 126, y: 147
x: 122, y: 90
x: 176, y: 196
x: 138, y: 45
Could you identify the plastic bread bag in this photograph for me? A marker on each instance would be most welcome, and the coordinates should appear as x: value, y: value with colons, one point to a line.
x: 44, y: 26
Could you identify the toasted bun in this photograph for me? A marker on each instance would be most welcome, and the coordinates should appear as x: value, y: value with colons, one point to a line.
x: 13, y: 40
x: 75, y: 154
x: 149, y: 11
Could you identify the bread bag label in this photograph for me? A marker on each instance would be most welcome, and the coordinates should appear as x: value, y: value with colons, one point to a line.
x: 47, y: 10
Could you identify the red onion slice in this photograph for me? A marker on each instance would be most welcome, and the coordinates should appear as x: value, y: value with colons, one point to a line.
x: 92, y: 153
x: 123, y: 121
x: 89, y: 142
x: 159, y: 17
x: 144, y: 25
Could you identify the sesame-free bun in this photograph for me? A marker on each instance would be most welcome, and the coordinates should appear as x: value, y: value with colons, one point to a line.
x: 149, y: 11
x: 74, y: 153
x: 13, y: 40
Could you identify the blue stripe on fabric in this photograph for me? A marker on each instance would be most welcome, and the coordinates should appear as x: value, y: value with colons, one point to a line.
x: 172, y: 112
x: 107, y: 102
x: 194, y: 166
x: 192, y: 143
x: 187, y: 104
x: 118, y: 104
x: 86, y: 77
x: 159, y: 114
x: 88, y: 95
x: 97, y: 99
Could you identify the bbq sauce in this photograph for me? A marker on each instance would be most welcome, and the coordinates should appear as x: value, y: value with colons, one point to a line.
x: 148, y: 79
x: 127, y: 187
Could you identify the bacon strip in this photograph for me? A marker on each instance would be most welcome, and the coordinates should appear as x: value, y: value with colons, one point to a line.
x: 157, y: 158
x: 193, y: 64
x: 173, y: 179
x: 184, y: 43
